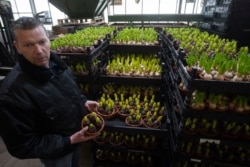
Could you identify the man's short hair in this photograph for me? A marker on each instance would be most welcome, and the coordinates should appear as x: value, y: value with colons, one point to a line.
x: 26, y: 23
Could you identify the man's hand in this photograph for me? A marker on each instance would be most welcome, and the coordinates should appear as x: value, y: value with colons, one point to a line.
x: 81, y: 136
x: 91, y: 105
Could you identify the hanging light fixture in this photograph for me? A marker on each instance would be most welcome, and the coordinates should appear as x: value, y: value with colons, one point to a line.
x: 137, y: 1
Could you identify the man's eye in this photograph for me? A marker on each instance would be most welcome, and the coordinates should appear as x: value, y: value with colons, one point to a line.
x: 27, y: 45
x: 42, y: 42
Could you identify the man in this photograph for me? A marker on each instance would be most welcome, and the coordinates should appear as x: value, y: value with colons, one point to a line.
x: 41, y: 106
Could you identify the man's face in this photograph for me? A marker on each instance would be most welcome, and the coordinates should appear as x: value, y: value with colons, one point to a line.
x: 34, y: 45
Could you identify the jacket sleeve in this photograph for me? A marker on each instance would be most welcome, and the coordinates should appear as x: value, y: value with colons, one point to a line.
x: 18, y: 130
x: 84, y: 99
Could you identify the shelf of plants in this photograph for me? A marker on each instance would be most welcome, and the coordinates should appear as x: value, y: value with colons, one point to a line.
x: 136, y: 70
x: 209, y: 117
x: 83, y: 49
x: 124, y: 71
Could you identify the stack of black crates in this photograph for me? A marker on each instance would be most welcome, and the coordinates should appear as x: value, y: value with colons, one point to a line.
x: 191, y: 147
x: 97, y: 78
x: 228, y: 18
x: 175, y: 146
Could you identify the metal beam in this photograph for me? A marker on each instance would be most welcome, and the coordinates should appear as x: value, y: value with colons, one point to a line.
x: 100, y: 8
x: 156, y: 17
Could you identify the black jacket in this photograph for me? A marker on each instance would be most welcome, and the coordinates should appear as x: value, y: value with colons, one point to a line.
x: 40, y: 109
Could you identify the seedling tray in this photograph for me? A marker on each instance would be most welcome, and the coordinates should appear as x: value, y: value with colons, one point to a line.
x: 117, y: 124
x: 131, y: 80
x: 242, y: 88
x: 134, y: 48
x: 85, y: 56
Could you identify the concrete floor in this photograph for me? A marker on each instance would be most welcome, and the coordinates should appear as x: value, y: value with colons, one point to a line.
x: 6, y: 160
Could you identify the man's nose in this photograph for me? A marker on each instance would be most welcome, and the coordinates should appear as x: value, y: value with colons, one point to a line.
x: 38, y: 48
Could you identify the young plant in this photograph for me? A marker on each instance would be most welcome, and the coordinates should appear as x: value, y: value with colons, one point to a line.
x: 198, y: 100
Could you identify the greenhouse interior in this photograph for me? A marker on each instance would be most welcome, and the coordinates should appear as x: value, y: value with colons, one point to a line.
x: 172, y: 77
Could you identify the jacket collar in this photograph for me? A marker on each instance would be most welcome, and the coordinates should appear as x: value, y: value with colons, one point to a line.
x: 41, y: 74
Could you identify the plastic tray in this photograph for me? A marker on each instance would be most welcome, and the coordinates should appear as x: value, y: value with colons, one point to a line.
x: 85, y: 56
x: 131, y: 80
x: 134, y: 48
x: 117, y: 124
x: 242, y: 88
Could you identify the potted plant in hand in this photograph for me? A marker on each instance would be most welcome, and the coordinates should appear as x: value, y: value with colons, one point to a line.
x: 94, y: 122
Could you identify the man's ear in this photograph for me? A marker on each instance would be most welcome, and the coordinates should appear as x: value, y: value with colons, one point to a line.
x: 16, y: 45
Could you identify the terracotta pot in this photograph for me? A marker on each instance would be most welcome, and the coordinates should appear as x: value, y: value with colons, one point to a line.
x: 98, y: 128
x: 131, y: 145
x: 133, y: 124
x: 149, y: 146
x: 117, y: 160
x: 101, y: 139
x: 229, y: 136
x: 245, y: 136
x: 116, y: 143
x: 208, y: 133
x: 122, y: 115
x: 145, y: 124
x: 190, y: 132
x: 108, y: 116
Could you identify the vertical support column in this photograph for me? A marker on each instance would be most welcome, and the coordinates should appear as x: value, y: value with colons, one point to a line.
x: 179, y: 9
x: 33, y: 7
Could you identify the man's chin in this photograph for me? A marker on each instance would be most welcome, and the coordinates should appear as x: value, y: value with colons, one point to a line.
x: 43, y: 64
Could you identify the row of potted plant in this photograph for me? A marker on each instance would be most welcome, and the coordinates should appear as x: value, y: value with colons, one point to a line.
x: 135, y: 112
x: 211, y: 150
x: 188, y: 163
x: 125, y: 91
x: 220, y: 102
x: 135, y: 65
x: 81, y: 41
x: 136, y: 36
x: 115, y: 138
x: 129, y: 158
x: 216, y: 128
x: 84, y: 68
x: 216, y: 58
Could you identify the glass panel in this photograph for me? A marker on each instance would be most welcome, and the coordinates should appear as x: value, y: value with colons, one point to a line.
x: 56, y: 14
x: 191, y: 7
x: 155, y: 7
x: 117, y: 8
x: 21, y: 6
x: 13, y: 6
x: 150, y: 7
x: 144, y: 7
x: 134, y: 6
x: 168, y: 7
x: 41, y: 5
